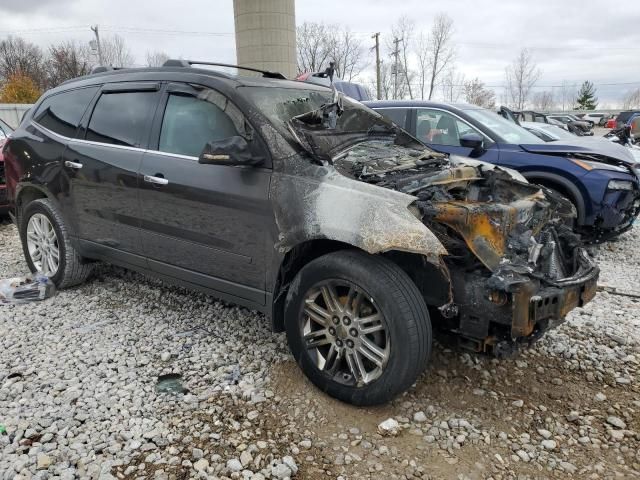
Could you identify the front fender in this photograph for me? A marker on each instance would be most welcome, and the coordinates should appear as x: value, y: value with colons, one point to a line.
x: 320, y: 203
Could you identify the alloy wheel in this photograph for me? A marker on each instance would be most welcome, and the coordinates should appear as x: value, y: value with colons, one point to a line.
x: 43, y: 246
x: 345, y: 332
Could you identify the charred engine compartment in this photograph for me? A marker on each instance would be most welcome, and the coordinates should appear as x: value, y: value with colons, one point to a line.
x: 514, y: 267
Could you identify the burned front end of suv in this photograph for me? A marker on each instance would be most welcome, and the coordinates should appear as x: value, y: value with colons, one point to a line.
x: 491, y: 253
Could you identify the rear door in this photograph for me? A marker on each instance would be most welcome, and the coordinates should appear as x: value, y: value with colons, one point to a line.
x: 103, y: 167
x: 205, y: 224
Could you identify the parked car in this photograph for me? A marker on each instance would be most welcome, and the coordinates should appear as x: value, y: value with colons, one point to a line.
x: 601, y: 182
x: 594, y: 118
x: 291, y: 199
x: 574, y: 124
x: 611, y: 123
x: 625, y: 118
x: 549, y: 132
x: 354, y: 90
x: 5, y: 131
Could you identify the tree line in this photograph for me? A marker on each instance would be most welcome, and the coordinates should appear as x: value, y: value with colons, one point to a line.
x: 27, y: 70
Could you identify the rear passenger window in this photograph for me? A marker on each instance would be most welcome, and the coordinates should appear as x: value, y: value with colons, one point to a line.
x: 190, y: 123
x: 61, y: 113
x: 122, y: 118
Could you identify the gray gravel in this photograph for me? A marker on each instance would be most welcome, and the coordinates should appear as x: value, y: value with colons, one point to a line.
x: 80, y: 398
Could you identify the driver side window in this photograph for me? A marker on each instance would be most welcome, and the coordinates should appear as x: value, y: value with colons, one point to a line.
x: 191, y: 122
x: 440, y: 128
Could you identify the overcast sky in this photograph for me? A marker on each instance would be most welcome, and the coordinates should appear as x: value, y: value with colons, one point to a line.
x: 572, y: 40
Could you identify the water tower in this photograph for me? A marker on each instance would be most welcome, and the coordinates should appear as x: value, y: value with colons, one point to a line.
x: 266, y: 35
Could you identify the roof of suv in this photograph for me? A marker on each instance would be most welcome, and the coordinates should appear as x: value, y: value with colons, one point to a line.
x: 238, y: 80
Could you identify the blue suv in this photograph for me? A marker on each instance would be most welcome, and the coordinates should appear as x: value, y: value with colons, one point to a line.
x: 599, y: 177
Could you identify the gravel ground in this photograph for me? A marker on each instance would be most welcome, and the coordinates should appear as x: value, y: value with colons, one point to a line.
x: 80, y: 397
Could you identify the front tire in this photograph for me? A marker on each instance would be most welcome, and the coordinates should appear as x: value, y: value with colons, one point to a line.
x: 47, y: 246
x: 358, y: 327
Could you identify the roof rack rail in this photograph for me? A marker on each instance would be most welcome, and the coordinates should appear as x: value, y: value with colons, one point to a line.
x: 103, y: 68
x: 189, y: 63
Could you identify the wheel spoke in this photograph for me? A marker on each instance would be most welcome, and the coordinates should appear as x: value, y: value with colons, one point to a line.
x: 55, y: 254
x: 317, y: 338
x: 372, y: 351
x: 355, y: 365
x: 36, y: 255
x: 332, y: 361
x: 51, y: 266
x: 31, y: 235
x: 331, y: 298
x: 371, y: 324
x: 316, y: 313
x: 354, y: 300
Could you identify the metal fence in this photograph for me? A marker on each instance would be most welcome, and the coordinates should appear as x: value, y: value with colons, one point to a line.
x: 12, y: 112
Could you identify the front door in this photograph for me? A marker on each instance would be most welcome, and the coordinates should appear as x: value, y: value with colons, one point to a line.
x: 104, y: 163
x: 442, y: 131
x: 204, y: 223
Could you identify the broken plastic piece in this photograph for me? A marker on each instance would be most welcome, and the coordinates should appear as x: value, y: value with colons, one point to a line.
x: 170, y: 383
x: 25, y: 289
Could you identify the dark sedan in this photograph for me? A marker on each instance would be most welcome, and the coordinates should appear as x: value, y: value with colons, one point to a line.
x: 602, y: 183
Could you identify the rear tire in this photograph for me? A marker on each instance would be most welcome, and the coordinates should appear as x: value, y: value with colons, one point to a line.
x: 393, y: 349
x: 71, y: 269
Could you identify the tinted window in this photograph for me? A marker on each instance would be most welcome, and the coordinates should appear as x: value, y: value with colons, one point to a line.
x: 122, y: 118
x: 62, y: 112
x: 191, y: 122
x: 396, y: 115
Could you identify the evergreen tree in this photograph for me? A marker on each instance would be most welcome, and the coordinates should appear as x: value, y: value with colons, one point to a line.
x: 587, y: 99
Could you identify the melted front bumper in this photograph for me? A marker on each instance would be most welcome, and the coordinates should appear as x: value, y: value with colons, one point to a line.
x: 494, y: 318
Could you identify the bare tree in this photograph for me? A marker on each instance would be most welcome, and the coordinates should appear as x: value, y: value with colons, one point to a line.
x: 115, y: 52
x: 521, y: 76
x: 631, y: 100
x: 440, y: 48
x: 452, y: 85
x: 318, y: 44
x: 19, y: 57
x: 403, y: 31
x: 314, y: 43
x: 156, y: 58
x: 67, y: 60
x: 348, y: 54
x: 477, y: 94
x: 544, y: 101
x: 568, y: 95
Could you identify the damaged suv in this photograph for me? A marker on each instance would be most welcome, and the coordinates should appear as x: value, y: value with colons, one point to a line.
x: 351, y: 235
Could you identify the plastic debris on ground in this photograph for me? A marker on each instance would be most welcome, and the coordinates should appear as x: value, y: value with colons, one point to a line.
x: 31, y: 288
x: 170, y: 383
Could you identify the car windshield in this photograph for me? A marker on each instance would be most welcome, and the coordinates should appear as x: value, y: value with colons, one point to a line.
x: 507, y: 131
x: 320, y: 127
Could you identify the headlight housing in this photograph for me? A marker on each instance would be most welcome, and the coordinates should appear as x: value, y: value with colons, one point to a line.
x: 592, y: 165
x: 620, y: 185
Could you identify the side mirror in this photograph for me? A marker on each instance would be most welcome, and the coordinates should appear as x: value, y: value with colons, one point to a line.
x: 229, y: 151
x: 472, y: 141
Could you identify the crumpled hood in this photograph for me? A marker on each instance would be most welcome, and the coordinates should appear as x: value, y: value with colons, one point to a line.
x: 597, y: 147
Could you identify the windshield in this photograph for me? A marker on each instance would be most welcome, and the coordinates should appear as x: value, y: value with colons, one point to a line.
x: 320, y: 126
x: 507, y: 131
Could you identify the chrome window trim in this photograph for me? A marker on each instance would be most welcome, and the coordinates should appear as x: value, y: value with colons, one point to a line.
x: 110, y: 145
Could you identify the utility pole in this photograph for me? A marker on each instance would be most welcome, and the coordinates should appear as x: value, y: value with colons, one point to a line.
x: 377, y: 47
x: 95, y: 31
x: 396, y: 53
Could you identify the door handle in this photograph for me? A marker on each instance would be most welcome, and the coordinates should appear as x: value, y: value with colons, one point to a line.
x: 75, y: 165
x: 156, y: 180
